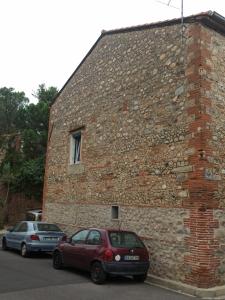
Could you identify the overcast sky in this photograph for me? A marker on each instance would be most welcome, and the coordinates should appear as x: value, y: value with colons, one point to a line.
x: 43, y: 41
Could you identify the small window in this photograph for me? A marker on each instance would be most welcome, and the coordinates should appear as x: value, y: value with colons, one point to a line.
x: 115, y: 212
x: 75, y: 147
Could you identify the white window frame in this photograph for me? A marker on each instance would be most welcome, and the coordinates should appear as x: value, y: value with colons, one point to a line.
x: 75, y: 157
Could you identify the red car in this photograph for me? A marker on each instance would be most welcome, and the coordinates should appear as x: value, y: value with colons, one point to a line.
x: 104, y: 252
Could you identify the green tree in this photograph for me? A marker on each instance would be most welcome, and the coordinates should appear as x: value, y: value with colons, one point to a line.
x: 27, y: 162
x: 34, y: 138
x: 44, y: 94
x: 11, y: 102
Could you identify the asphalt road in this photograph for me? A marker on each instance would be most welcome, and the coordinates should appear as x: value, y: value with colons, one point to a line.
x: 34, y: 279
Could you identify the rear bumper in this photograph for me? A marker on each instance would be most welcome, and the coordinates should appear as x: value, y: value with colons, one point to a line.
x: 41, y: 247
x: 126, y: 268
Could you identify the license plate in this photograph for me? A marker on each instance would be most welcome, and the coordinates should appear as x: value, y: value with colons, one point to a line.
x: 131, y: 257
x: 49, y: 238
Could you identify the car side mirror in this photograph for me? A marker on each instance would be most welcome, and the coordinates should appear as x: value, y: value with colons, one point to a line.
x: 69, y: 240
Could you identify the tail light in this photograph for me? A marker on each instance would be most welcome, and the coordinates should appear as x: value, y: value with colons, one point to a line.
x: 64, y: 238
x: 108, y: 255
x: 34, y: 237
x: 145, y: 255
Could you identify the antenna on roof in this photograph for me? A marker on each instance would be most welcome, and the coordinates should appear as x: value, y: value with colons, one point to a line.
x: 182, y: 14
x: 167, y: 4
x: 182, y: 11
x: 182, y: 20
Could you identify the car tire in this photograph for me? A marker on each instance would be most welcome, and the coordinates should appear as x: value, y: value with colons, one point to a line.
x: 98, y: 275
x: 23, y: 251
x: 140, y: 278
x: 4, y: 244
x: 57, y: 261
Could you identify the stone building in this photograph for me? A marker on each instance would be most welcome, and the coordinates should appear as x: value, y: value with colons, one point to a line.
x: 136, y: 141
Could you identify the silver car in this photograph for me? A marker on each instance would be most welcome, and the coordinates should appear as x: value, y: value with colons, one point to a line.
x: 30, y: 236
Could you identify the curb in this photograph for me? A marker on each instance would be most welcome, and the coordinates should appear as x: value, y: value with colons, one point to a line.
x: 217, y: 292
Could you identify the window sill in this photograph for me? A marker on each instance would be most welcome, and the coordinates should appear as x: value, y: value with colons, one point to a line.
x: 76, y: 168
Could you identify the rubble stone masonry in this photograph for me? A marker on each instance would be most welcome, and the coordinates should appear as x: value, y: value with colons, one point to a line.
x: 217, y: 94
x: 150, y: 107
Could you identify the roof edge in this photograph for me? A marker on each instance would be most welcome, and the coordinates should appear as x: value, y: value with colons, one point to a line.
x: 203, y: 17
x: 210, y: 19
x: 77, y: 68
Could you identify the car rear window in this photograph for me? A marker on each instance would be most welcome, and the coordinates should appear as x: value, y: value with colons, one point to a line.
x: 47, y: 227
x: 120, y: 239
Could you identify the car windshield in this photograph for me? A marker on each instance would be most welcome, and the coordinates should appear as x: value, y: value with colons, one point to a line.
x: 120, y: 239
x: 47, y: 227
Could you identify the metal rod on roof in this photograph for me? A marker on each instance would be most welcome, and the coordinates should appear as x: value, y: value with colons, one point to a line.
x: 167, y: 4
x: 182, y: 20
x: 182, y: 12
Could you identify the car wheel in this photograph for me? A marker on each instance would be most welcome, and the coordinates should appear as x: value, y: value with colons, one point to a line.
x: 98, y: 275
x: 4, y: 245
x: 57, y: 261
x: 140, y: 278
x: 23, y: 251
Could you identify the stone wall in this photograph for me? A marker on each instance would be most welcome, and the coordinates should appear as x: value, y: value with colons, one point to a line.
x: 134, y: 143
x: 217, y: 93
x: 201, y: 261
x: 162, y: 230
x: 144, y: 101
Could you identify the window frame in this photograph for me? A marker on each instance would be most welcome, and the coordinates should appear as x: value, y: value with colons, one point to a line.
x: 94, y: 244
x: 119, y: 239
x: 73, y: 138
x: 23, y: 227
x: 115, y: 212
x: 79, y: 242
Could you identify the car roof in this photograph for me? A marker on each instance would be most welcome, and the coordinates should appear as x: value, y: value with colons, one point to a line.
x: 107, y: 229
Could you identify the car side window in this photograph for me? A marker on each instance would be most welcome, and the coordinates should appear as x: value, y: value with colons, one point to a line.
x: 15, y: 228
x: 94, y: 238
x: 21, y: 228
x: 79, y: 237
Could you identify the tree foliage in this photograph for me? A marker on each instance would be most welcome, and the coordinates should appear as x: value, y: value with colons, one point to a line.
x: 44, y: 94
x: 24, y: 139
x: 11, y: 102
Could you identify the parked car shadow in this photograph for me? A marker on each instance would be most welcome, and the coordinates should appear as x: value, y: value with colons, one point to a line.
x: 35, y: 255
x: 114, y: 280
